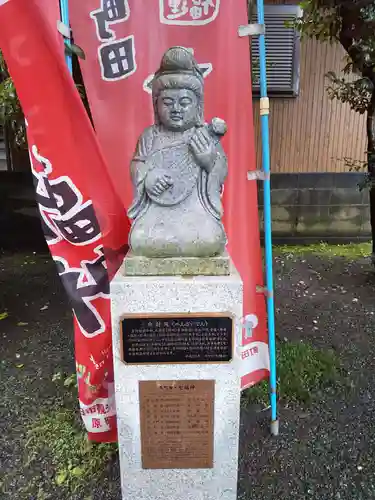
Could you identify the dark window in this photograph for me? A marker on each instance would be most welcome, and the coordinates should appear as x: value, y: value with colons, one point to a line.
x: 283, y: 52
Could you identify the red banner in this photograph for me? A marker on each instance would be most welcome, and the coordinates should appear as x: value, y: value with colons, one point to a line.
x: 124, y: 41
x: 82, y: 217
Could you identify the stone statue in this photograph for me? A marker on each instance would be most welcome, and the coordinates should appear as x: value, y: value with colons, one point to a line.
x: 178, y: 169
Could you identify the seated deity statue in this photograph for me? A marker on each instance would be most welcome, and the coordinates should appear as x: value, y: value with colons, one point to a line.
x: 178, y: 169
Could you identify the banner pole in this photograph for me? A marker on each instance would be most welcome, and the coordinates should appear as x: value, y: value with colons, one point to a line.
x: 64, y: 9
x: 264, y: 112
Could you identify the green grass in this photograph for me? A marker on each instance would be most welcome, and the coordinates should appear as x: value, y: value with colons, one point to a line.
x: 302, y: 371
x: 60, y: 436
x: 351, y: 251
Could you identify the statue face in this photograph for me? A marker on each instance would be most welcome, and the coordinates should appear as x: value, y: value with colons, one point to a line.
x: 178, y: 109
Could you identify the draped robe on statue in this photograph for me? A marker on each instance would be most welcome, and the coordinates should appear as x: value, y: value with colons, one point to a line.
x: 185, y: 220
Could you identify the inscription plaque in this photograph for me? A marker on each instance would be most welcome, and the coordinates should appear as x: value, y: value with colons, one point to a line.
x: 177, y: 424
x: 177, y: 338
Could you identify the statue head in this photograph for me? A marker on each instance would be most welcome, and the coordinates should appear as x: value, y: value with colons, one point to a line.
x: 177, y: 91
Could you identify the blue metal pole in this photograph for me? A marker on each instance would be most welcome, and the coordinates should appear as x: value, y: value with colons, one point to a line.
x: 64, y: 8
x: 264, y: 111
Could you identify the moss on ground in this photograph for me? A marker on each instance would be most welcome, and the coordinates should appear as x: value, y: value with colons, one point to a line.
x: 59, y: 438
x: 302, y: 372
x: 351, y: 251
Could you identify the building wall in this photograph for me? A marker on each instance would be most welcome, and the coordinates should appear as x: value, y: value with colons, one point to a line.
x: 311, y: 133
x: 323, y: 206
x: 314, y: 197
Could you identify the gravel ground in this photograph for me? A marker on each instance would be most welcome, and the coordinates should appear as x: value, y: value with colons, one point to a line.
x: 325, y: 451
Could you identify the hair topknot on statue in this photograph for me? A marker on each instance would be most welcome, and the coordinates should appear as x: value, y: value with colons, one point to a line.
x: 179, y: 59
x: 178, y: 69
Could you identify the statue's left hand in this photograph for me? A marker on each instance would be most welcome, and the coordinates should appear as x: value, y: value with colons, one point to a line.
x: 204, y: 149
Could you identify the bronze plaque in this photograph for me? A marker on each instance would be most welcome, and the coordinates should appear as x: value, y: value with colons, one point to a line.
x: 177, y: 338
x: 177, y: 424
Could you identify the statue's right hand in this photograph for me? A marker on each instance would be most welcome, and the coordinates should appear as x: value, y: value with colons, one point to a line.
x: 159, y: 184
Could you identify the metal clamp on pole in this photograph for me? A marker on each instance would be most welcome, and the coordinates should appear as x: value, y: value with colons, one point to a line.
x: 249, y: 323
x: 264, y: 105
x: 64, y: 30
x: 258, y: 175
x: 251, y: 30
x: 275, y: 427
x: 264, y: 291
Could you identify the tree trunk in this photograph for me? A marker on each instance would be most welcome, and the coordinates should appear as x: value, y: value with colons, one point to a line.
x: 371, y: 167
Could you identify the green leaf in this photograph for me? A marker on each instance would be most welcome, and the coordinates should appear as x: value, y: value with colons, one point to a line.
x: 73, y: 49
x: 57, y: 376
x: 77, y: 471
x: 305, y: 4
x: 21, y: 323
x: 21, y: 365
x: 70, y: 381
x: 3, y: 315
x: 61, y: 478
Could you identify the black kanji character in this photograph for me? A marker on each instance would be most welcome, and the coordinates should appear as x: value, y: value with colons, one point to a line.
x: 83, y: 286
x: 81, y: 228
x: 58, y: 195
x: 63, y: 214
x: 118, y: 59
x: 111, y: 11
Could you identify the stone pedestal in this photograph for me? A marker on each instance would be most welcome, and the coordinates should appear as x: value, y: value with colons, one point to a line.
x: 135, y: 265
x: 181, y: 296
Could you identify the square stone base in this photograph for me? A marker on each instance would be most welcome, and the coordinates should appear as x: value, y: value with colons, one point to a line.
x: 176, y: 266
x: 178, y: 295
